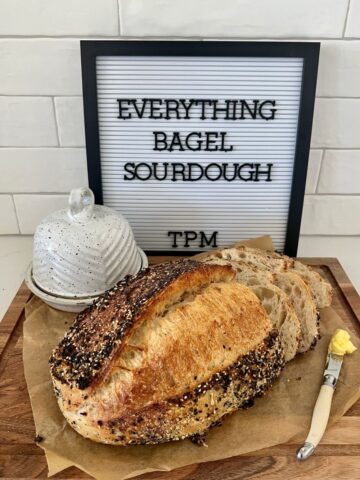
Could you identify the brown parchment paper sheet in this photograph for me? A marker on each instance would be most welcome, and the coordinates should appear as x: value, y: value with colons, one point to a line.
x: 284, y: 413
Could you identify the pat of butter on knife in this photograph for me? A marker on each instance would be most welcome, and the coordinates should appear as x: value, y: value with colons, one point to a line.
x: 340, y: 344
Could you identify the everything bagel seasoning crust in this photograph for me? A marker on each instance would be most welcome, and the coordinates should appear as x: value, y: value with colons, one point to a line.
x: 165, y: 355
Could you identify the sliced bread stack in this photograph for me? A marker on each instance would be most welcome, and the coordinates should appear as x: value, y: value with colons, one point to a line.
x: 290, y: 292
x: 275, y: 262
x: 277, y: 304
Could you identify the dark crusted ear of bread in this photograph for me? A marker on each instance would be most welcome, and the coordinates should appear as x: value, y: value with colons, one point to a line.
x: 165, y: 355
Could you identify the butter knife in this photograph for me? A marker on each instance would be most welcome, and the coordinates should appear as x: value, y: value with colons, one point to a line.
x: 322, y: 407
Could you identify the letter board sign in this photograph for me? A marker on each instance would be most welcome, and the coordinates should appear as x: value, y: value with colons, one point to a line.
x: 200, y: 144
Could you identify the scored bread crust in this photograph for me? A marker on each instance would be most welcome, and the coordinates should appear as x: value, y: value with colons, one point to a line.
x: 100, y: 332
x: 195, y: 337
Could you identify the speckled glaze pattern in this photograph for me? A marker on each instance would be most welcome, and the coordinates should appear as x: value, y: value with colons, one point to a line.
x: 84, y: 250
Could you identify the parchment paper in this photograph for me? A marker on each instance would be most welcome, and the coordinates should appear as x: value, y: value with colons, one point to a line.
x: 284, y: 413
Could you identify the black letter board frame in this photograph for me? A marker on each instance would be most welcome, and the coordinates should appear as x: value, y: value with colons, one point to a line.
x: 308, y: 51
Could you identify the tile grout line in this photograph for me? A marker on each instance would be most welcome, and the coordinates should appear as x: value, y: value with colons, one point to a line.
x: 49, y: 194
x: 335, y: 97
x: 27, y: 95
x: 285, y: 38
x: 351, y: 235
x: 78, y: 95
x: 329, y: 194
x: 328, y: 235
x: 320, y: 170
x: 119, y: 17
x: 64, y: 192
x: 325, y: 147
x: 16, y: 214
x: 16, y: 235
x: 42, y: 147
x: 83, y: 147
x: 38, y: 95
x: 56, y: 122
x: 346, y: 19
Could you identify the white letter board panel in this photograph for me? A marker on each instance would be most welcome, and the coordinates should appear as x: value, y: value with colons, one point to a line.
x: 232, y: 176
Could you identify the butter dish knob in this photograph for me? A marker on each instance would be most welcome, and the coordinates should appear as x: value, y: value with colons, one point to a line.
x: 81, y: 204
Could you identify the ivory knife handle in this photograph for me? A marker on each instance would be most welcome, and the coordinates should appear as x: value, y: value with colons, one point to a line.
x: 319, y: 422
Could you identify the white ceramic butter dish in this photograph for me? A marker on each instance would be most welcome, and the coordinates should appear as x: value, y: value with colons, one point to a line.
x: 80, y: 252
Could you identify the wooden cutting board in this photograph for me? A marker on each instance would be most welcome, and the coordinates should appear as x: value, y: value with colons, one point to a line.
x: 338, y: 455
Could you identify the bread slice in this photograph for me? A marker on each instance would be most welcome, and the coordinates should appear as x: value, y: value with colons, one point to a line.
x: 321, y: 290
x: 165, y: 355
x: 275, y: 262
x: 301, y: 297
x: 276, y: 303
x: 290, y: 282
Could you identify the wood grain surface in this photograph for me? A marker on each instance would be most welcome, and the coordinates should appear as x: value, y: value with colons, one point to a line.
x: 338, y: 455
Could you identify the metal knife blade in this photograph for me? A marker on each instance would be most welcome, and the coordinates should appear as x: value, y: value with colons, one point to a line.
x: 332, y: 370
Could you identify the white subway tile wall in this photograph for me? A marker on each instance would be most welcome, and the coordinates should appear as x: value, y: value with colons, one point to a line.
x: 8, y: 220
x: 353, y: 23
x: 336, y: 123
x: 42, y: 170
x: 42, y: 153
x: 70, y: 121
x: 34, y: 66
x: 340, y: 172
x: 229, y: 18
x: 331, y: 215
x: 31, y: 209
x: 59, y: 18
x: 339, y: 69
x: 27, y: 122
x: 313, y: 170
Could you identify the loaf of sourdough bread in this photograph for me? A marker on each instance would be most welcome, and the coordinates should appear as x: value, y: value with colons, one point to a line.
x: 165, y: 355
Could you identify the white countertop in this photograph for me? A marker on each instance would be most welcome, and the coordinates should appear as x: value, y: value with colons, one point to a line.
x: 16, y: 253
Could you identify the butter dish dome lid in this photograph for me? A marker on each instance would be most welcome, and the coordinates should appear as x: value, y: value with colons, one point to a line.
x: 85, y: 249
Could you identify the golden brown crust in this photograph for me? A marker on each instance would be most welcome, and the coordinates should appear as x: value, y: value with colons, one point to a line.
x: 99, y: 334
x: 191, y: 325
x: 194, y: 412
